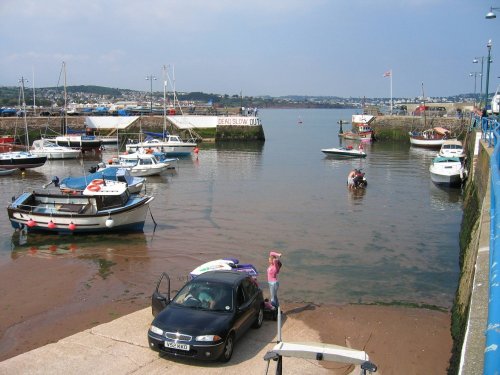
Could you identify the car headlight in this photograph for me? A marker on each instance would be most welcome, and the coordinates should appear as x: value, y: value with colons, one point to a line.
x: 156, y: 330
x: 208, y: 338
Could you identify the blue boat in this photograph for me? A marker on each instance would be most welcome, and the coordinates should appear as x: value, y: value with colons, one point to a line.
x: 78, y: 184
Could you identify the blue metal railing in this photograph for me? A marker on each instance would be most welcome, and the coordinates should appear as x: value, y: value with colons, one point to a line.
x: 490, y: 128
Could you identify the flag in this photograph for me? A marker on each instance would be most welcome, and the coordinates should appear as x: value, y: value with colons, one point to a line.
x: 388, y: 74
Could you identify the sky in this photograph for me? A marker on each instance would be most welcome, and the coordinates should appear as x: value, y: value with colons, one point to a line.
x: 253, y: 48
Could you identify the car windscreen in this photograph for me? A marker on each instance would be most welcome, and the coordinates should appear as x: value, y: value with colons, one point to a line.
x: 205, y: 295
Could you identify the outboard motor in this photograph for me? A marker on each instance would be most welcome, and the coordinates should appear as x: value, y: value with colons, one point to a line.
x: 93, y: 169
x: 55, y: 181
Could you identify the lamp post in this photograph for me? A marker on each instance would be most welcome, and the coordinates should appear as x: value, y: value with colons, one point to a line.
x: 151, y: 78
x: 474, y: 74
x: 476, y: 61
x: 490, y: 15
x: 488, y: 45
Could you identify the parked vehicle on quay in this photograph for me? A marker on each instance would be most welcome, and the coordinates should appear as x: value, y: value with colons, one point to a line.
x: 207, y: 316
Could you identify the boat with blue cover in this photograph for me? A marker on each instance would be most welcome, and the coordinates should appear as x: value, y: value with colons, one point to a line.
x: 104, y: 206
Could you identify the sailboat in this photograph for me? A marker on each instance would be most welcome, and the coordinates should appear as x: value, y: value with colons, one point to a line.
x: 429, y: 138
x: 162, y: 143
x: 73, y: 139
x: 21, y: 159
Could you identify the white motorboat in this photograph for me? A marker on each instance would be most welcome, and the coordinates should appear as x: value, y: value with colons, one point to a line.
x: 344, y: 152
x: 170, y: 145
x: 447, y: 171
x: 452, y: 148
x: 44, y: 147
x: 139, y: 164
x: 104, y: 206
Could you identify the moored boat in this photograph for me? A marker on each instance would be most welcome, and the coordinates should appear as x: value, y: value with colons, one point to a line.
x: 170, y: 145
x: 44, y: 147
x: 21, y: 160
x: 104, y: 206
x: 452, y: 148
x: 78, y: 184
x: 344, y: 152
x: 447, y: 171
x: 431, y: 138
x: 139, y: 164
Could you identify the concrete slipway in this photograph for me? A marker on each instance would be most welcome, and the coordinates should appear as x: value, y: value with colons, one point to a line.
x: 121, y: 347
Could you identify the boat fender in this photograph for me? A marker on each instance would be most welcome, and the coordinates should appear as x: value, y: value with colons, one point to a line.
x: 94, y: 188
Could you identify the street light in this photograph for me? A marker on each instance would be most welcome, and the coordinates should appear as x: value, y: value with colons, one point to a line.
x: 490, y: 15
x: 488, y: 45
x: 476, y: 61
x: 151, y: 78
x: 474, y: 74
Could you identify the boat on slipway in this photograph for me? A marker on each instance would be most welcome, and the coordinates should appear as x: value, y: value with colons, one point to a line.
x: 104, y: 206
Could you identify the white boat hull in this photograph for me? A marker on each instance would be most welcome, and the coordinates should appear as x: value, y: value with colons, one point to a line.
x: 447, y: 173
x: 339, y: 152
x: 161, y: 147
x: 50, y: 218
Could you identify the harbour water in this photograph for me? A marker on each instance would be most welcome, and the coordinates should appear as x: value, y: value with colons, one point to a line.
x: 395, y: 241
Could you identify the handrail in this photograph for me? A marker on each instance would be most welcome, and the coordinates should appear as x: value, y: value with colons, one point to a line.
x: 491, y: 132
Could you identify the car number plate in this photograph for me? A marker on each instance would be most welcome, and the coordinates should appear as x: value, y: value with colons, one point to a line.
x: 176, y: 345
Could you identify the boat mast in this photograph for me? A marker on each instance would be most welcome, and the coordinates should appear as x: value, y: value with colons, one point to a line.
x: 423, y: 99
x: 164, y: 101
x: 22, y: 80
x: 65, y: 100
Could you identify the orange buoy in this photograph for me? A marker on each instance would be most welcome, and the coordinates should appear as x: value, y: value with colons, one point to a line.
x: 94, y: 188
x: 97, y: 182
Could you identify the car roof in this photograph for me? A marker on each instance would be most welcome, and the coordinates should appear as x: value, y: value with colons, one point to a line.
x: 226, y: 277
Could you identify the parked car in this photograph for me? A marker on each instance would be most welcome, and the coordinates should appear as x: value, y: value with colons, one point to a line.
x: 207, y: 316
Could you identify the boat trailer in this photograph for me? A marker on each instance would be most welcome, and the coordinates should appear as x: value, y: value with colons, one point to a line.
x: 316, y: 351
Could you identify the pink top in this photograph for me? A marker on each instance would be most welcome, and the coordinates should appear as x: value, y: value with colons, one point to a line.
x: 273, y: 269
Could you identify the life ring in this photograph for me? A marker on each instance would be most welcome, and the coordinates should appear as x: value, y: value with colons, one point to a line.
x: 97, y: 182
x: 94, y: 188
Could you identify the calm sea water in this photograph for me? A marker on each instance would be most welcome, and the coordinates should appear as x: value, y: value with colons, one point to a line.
x: 395, y: 241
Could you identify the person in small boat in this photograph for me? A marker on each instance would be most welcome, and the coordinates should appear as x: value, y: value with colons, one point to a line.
x: 350, y: 179
x: 272, y: 276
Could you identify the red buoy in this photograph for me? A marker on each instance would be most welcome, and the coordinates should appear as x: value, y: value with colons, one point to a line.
x: 51, y: 225
x: 71, y: 226
x: 31, y: 223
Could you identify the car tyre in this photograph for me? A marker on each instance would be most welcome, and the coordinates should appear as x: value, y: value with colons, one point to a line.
x: 228, y: 349
x: 259, y: 319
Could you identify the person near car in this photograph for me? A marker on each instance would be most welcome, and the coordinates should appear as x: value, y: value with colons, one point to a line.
x: 272, y: 276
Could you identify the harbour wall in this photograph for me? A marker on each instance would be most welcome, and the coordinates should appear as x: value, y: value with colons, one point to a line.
x: 50, y: 126
x: 398, y: 127
x: 470, y: 308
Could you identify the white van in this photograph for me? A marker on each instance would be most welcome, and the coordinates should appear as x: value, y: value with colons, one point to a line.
x: 495, y: 102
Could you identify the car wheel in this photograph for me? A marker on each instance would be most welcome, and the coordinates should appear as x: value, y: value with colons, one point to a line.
x: 228, y: 348
x: 259, y: 319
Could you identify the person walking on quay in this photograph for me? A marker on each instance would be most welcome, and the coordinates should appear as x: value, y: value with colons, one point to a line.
x: 272, y: 276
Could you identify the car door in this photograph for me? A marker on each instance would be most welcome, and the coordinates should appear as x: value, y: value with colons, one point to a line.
x: 161, y: 295
x: 244, y: 311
